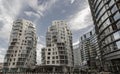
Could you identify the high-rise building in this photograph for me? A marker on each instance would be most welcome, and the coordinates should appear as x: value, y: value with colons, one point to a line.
x: 77, y: 55
x: 106, y: 17
x: 1, y: 67
x: 21, y: 53
x: 89, y: 50
x: 59, y: 50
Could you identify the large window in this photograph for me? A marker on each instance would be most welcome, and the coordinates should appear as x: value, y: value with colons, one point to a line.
x: 112, y: 47
x: 117, y: 16
x: 114, y: 9
x: 118, y: 3
x: 111, y: 38
x: 111, y: 2
x: 118, y: 24
x: 117, y: 35
x: 118, y: 44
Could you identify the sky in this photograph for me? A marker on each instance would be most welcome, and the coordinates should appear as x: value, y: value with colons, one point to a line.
x: 42, y: 12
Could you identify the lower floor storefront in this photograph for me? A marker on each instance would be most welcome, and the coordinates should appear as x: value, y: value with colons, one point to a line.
x: 112, y: 66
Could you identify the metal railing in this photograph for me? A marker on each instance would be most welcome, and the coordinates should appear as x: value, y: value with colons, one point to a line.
x: 44, y: 73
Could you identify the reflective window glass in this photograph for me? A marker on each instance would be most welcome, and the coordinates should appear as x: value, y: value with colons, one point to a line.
x: 114, y: 9
x: 111, y: 2
x: 116, y: 35
x: 117, y: 16
x: 118, y: 44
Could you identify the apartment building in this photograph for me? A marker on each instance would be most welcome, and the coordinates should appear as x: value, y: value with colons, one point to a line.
x: 21, y: 53
x: 58, y: 50
x: 89, y: 50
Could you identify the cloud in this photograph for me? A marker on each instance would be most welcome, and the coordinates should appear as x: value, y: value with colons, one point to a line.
x: 40, y: 6
x: 2, y: 54
x: 75, y: 43
x: 5, y: 30
x: 1, y: 58
x: 30, y: 14
x: 63, y: 11
x: 8, y: 13
x: 80, y: 20
x: 72, y: 1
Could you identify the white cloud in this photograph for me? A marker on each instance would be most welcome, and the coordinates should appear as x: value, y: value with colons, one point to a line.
x: 80, y: 20
x: 2, y: 54
x: 72, y: 1
x: 8, y: 11
x: 5, y: 30
x: 75, y: 43
x: 30, y: 13
x: 1, y: 58
x: 41, y: 8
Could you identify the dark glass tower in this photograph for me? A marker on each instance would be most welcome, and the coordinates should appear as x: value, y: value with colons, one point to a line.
x: 106, y: 17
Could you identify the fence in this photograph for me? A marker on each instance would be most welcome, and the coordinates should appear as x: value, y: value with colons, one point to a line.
x: 45, y: 73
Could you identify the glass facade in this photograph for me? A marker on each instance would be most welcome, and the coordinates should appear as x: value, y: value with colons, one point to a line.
x: 89, y: 50
x: 106, y: 17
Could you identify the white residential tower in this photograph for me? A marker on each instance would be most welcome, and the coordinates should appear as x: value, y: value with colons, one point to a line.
x: 58, y: 50
x: 21, y: 53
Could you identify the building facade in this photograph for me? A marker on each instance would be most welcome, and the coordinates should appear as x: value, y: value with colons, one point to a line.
x: 21, y: 53
x: 89, y: 50
x: 1, y: 67
x: 58, y: 50
x: 77, y: 55
x: 106, y: 17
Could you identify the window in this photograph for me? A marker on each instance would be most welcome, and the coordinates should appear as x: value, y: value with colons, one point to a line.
x: 48, y: 53
x: 118, y: 44
x: 16, y: 51
x: 118, y: 3
x: 116, y: 35
x: 13, y: 63
x: 48, y: 57
x: 57, y: 61
x: 14, y: 59
x: 10, y: 60
x: 117, y: 16
x: 61, y: 57
x: 118, y: 24
x: 53, y: 53
x: 48, y: 62
x: 84, y: 36
x: 56, y: 52
x: 62, y: 61
x: 111, y: 2
x: 20, y: 30
x: 53, y: 49
x: 19, y: 34
x: 49, y: 49
x: 114, y: 9
x: 53, y: 57
x: 56, y: 57
x: 53, y: 62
